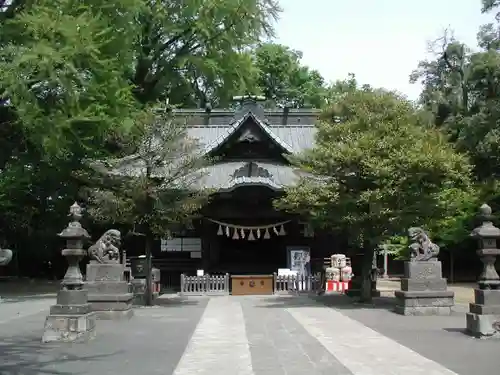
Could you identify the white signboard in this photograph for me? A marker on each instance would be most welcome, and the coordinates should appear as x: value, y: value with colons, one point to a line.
x: 191, y: 244
x: 299, y: 260
x: 181, y: 244
x: 199, y: 273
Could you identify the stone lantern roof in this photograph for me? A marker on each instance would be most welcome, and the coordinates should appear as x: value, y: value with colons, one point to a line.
x: 486, y: 230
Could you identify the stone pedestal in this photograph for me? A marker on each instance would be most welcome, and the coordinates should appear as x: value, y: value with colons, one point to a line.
x: 139, y: 291
x: 483, y: 320
x: 423, y: 290
x: 70, y: 318
x: 139, y: 287
x: 108, y: 292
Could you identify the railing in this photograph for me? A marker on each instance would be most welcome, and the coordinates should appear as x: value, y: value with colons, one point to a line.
x: 286, y: 284
x: 219, y: 284
x: 204, y: 285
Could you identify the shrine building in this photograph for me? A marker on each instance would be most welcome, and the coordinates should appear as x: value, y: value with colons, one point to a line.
x: 239, y: 231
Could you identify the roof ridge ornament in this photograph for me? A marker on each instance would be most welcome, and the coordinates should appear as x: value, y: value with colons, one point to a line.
x: 250, y: 104
x: 251, y: 169
x: 252, y: 98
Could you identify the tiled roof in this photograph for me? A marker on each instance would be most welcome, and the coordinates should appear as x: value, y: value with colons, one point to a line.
x: 294, y: 130
x: 296, y: 138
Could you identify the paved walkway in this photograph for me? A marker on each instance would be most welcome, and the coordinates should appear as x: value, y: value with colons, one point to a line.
x: 249, y: 336
x: 14, y: 309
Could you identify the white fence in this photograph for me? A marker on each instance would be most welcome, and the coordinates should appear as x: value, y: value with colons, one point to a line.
x: 219, y: 284
x: 205, y: 285
x: 286, y: 284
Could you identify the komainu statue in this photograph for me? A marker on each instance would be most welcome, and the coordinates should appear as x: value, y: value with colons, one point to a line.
x: 5, y: 256
x: 106, y: 249
x: 421, y: 248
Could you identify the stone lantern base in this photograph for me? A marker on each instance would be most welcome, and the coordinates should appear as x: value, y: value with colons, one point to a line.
x: 483, y: 318
x: 70, y: 319
x: 423, y: 290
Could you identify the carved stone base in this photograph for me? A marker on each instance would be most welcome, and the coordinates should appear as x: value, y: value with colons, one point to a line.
x: 423, y: 270
x: 70, y: 319
x: 483, y: 318
x: 482, y: 326
x: 423, y: 290
x: 68, y: 328
x: 111, y: 306
x: 423, y: 310
x: 109, y: 295
x: 424, y: 303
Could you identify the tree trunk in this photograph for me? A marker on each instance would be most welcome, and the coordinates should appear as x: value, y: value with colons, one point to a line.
x: 149, y: 207
x: 452, y: 267
x: 366, y: 273
x: 148, y: 297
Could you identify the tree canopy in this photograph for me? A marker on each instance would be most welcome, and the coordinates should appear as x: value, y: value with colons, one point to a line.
x: 377, y: 170
x: 79, y: 81
x: 284, y: 81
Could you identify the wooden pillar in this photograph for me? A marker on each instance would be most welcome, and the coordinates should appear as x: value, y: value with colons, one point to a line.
x: 205, y: 245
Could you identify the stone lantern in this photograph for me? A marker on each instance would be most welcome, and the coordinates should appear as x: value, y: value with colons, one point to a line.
x: 483, y: 318
x: 75, y: 235
x: 71, y: 317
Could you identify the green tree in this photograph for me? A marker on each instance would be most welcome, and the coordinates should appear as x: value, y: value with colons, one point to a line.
x: 64, y: 96
x: 154, y: 188
x: 382, y: 172
x: 461, y: 91
x: 193, y: 52
x: 284, y: 81
x: 336, y: 90
x: 489, y: 5
x: 461, y: 95
x: 66, y: 75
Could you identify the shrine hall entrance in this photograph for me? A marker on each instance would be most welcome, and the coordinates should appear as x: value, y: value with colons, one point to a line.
x: 245, y: 234
x: 259, y: 256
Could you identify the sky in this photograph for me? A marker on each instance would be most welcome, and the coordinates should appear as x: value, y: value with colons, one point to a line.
x: 380, y: 41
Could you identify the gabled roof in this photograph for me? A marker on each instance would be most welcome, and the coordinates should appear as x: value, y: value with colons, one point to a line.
x: 233, y: 128
x: 292, y: 129
x: 298, y: 138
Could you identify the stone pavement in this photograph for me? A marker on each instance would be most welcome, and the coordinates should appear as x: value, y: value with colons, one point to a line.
x: 249, y: 336
x: 28, y: 287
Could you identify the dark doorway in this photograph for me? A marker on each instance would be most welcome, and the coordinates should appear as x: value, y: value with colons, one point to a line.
x: 261, y: 256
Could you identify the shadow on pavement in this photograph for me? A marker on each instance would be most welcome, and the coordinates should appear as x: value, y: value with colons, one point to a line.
x: 27, y: 287
x: 27, y: 355
x: 458, y: 330
x: 338, y: 301
x: 179, y: 301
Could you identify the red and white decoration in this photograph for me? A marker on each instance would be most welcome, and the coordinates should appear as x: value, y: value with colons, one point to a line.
x: 337, y: 286
x: 155, y: 288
